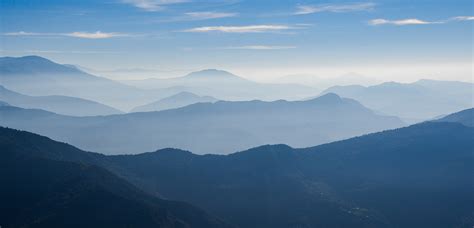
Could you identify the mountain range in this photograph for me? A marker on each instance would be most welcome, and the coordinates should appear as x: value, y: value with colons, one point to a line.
x: 37, y: 76
x: 176, y: 101
x: 58, y: 104
x: 227, y: 86
x: 465, y: 117
x: 221, y: 127
x: 413, y: 102
x: 416, y: 176
x: 321, y: 83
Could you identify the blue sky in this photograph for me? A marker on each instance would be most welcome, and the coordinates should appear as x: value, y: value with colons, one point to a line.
x: 390, y: 40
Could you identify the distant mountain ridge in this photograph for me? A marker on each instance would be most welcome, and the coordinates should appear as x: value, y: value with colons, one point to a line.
x: 415, y: 102
x: 465, y: 117
x: 221, y: 127
x: 176, y: 101
x: 226, y: 86
x: 38, y: 76
x: 211, y: 73
x: 32, y: 65
x: 58, y: 104
x: 321, y: 84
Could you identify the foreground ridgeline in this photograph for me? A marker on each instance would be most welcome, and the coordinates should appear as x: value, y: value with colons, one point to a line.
x: 417, y: 176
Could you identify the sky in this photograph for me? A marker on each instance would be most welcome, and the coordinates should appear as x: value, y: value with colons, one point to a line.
x: 262, y: 40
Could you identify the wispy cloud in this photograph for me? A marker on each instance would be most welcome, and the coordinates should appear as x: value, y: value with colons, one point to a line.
x: 95, y: 35
x: 83, y: 35
x: 334, y: 8
x: 260, y: 47
x: 463, y: 18
x: 242, y: 29
x: 22, y: 33
x: 410, y: 21
x: 61, y: 52
x: 152, y: 5
x: 415, y: 21
x: 209, y: 15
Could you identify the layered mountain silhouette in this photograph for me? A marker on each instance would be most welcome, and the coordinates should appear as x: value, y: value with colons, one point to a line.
x: 414, y: 102
x: 465, y: 117
x: 59, y: 104
x: 37, y: 76
x: 226, y: 86
x: 321, y: 83
x: 221, y: 127
x: 417, y: 176
x: 40, y: 190
x: 176, y: 101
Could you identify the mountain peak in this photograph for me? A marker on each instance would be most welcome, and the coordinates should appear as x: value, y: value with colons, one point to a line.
x: 32, y: 64
x: 184, y: 94
x: 4, y: 91
x: 211, y: 73
x: 328, y: 98
x: 28, y: 58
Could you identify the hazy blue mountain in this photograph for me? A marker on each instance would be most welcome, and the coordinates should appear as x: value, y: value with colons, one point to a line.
x: 176, y: 101
x: 227, y: 86
x: 417, y: 176
x: 37, y: 76
x: 211, y: 74
x: 418, y: 101
x: 321, y: 83
x: 59, y: 104
x: 221, y: 127
x: 465, y: 117
x: 3, y: 103
x: 40, y: 191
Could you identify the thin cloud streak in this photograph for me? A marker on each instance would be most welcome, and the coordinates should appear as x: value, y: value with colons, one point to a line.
x: 334, y: 8
x: 242, y: 29
x: 463, y: 18
x: 259, y: 47
x: 410, y: 21
x: 82, y: 35
x: 152, y: 5
x: 415, y: 21
x: 61, y: 52
x: 209, y: 15
x: 96, y: 35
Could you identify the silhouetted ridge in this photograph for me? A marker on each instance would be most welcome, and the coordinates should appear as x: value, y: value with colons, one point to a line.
x: 358, y: 182
x: 211, y: 73
x: 328, y: 98
x: 413, y: 102
x: 221, y: 127
x: 465, y: 117
x: 51, y: 184
x: 33, y: 65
